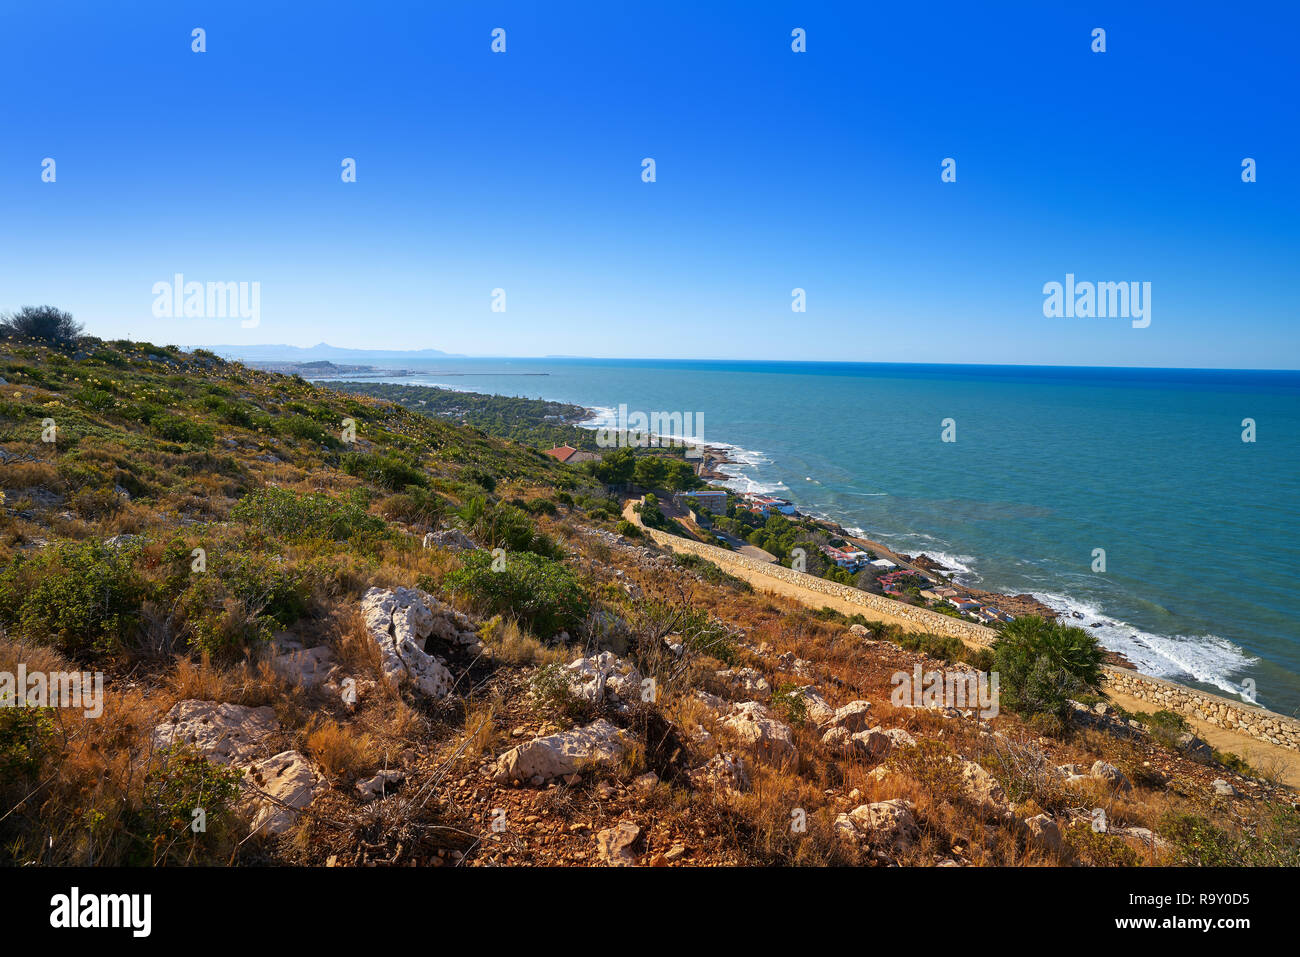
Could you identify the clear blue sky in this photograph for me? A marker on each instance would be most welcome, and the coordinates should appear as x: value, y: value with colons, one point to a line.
x: 775, y: 170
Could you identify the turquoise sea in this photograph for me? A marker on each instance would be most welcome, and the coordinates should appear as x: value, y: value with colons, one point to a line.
x: 1201, y: 530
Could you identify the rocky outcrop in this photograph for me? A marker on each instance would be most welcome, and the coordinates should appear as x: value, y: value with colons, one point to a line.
x: 723, y: 772
x: 400, y: 621
x: 884, y: 825
x: 223, y: 733
x: 597, y: 745
x: 605, y: 678
x: 279, y: 788
x: 770, y: 741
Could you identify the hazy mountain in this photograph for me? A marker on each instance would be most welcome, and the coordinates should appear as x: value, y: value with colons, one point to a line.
x: 322, y: 350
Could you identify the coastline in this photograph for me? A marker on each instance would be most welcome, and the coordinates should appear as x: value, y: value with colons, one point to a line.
x: 712, y: 469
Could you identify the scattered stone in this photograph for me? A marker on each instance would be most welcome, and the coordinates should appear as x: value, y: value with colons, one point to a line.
x: 983, y: 790
x: 597, y: 745
x: 771, y: 741
x: 747, y: 681
x: 725, y: 772
x: 1223, y: 789
x: 281, y: 787
x: 1194, y: 747
x: 298, y: 665
x: 888, y: 825
x: 1044, y: 833
x: 1111, y: 775
x: 712, y: 701
x: 606, y: 677
x: 815, y: 707
x: 645, y: 783
x: 372, y: 788
x: 452, y: 538
x: 838, y: 740
x: 614, y: 844
x: 853, y: 717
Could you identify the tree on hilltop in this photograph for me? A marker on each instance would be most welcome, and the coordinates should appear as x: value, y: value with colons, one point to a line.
x: 43, y: 323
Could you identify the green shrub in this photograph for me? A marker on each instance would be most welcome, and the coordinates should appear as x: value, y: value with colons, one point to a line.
x: 25, y: 735
x: 1042, y: 664
x: 498, y: 525
x: 174, y: 428
x: 543, y: 594
x: 186, y: 781
x: 415, y: 506
x: 80, y: 596
x: 389, y: 471
x: 290, y: 515
x: 1098, y: 848
x: 551, y: 691
x: 97, y: 400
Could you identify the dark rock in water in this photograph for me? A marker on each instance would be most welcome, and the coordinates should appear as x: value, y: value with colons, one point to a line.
x: 1095, y: 624
x: 1076, y: 614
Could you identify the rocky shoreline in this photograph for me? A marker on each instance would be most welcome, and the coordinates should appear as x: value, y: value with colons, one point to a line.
x: 711, y: 470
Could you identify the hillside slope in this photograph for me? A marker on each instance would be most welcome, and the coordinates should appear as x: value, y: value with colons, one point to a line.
x: 349, y: 633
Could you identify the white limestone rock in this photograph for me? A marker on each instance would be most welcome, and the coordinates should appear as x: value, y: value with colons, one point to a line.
x: 224, y: 733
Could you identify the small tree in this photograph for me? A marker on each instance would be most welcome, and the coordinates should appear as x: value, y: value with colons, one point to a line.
x: 44, y: 323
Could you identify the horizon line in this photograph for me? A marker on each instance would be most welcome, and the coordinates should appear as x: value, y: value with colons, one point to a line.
x: 843, y: 362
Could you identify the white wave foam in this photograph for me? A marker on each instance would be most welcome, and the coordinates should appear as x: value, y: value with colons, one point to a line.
x: 1210, y: 659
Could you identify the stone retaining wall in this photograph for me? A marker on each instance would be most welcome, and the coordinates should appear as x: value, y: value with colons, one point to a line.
x: 1212, y: 709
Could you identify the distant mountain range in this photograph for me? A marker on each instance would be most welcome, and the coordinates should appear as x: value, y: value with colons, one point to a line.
x: 322, y: 350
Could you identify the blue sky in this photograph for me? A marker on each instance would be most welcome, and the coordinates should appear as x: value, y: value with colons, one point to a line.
x: 775, y: 170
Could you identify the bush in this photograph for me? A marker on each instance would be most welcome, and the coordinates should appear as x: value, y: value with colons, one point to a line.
x: 81, y: 597
x: 415, y: 506
x: 174, y: 428
x: 292, y: 515
x: 1271, y: 841
x: 42, y: 323
x: 25, y: 735
x: 186, y: 781
x: 1042, y: 664
x: 388, y: 471
x: 504, y: 526
x: 543, y: 594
